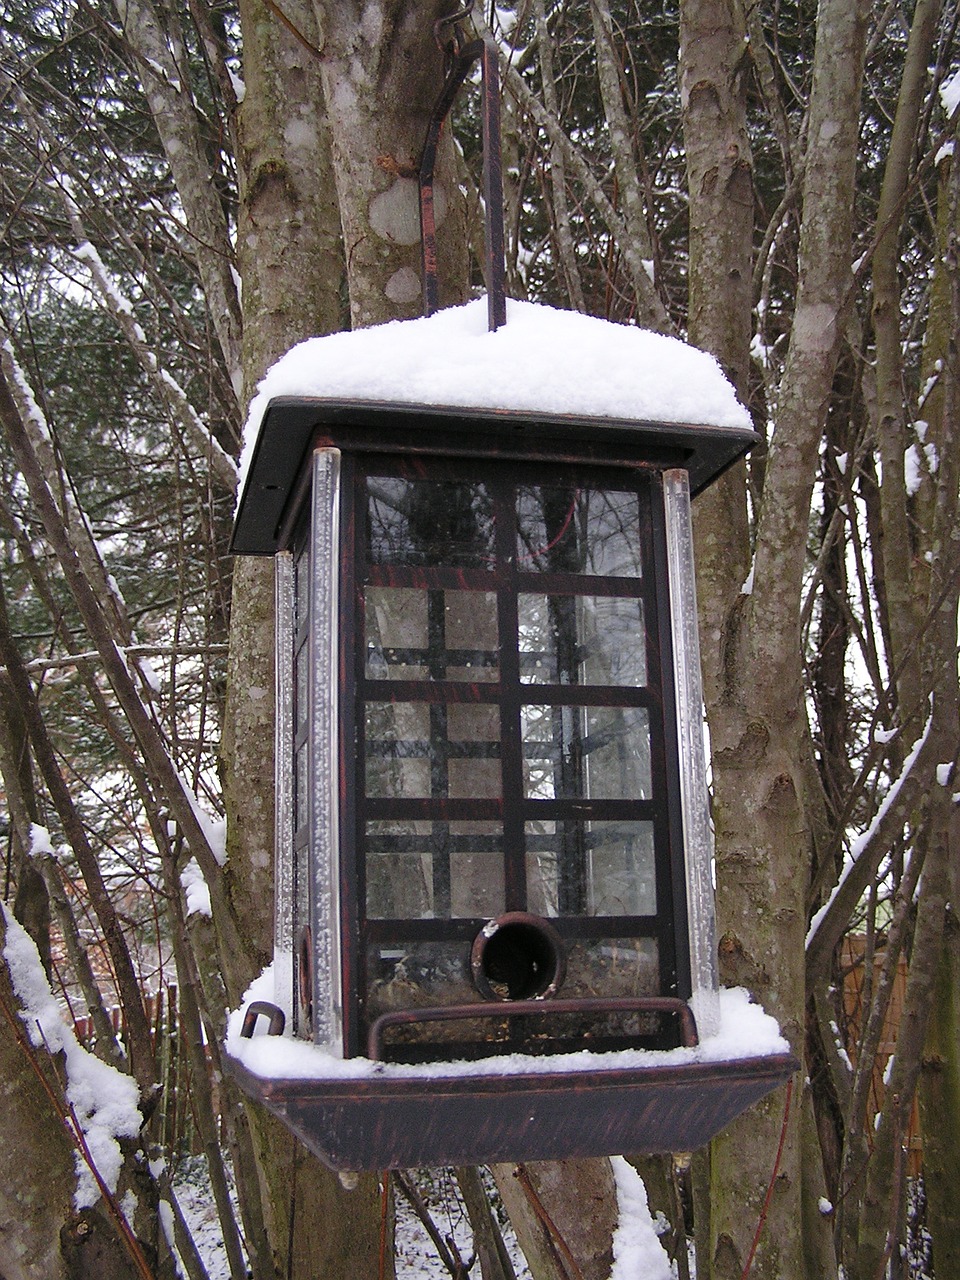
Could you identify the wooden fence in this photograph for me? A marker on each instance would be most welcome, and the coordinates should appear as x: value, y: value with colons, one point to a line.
x: 853, y: 961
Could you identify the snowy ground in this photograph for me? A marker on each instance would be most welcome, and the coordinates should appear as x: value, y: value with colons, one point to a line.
x: 416, y: 1255
x: 637, y: 1250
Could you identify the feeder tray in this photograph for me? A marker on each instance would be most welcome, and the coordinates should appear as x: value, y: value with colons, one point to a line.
x: 397, y: 1120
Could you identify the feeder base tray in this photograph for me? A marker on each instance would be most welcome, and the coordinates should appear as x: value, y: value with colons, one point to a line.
x: 402, y: 1122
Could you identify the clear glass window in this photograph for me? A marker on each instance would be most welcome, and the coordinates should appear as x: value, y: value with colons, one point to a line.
x: 570, y: 528
x: 567, y: 639
x: 586, y: 753
x: 421, y: 749
x: 582, y: 867
x: 419, y: 869
x: 424, y: 522
x: 417, y: 634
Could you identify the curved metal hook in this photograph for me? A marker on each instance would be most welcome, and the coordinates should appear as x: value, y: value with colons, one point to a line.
x: 452, y: 20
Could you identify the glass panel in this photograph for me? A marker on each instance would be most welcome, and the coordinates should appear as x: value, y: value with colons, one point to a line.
x: 577, y: 867
x: 301, y: 598
x: 303, y: 979
x: 697, y: 827
x: 418, y: 974
x: 586, y: 753
x: 423, y: 869
x: 612, y: 967
x: 429, y: 522
x: 567, y: 529
x: 415, y: 634
x: 582, y: 640
x: 398, y: 749
x: 419, y: 750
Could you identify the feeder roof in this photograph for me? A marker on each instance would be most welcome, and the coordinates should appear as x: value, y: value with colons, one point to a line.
x: 564, y: 374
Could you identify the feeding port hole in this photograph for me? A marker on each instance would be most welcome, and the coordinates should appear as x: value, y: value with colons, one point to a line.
x: 518, y: 956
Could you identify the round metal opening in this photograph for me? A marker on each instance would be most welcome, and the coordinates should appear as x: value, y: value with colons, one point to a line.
x: 305, y: 981
x: 518, y: 956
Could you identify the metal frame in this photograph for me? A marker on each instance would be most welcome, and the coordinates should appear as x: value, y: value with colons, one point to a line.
x: 308, y: 825
x: 697, y: 831
x: 463, y: 58
x: 283, y: 941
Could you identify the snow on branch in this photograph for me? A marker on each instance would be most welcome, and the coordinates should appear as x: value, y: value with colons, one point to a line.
x: 866, y: 853
x: 102, y: 1101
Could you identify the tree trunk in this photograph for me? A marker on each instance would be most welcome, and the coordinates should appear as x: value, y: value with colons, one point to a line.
x: 36, y: 1161
x: 939, y: 1094
x: 382, y: 75
x: 759, y: 725
x: 564, y: 1214
x: 41, y: 1232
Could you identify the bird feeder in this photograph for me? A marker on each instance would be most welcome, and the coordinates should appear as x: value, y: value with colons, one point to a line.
x: 493, y: 859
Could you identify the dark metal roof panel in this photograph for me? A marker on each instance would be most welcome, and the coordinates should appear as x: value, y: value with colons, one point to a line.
x: 292, y: 424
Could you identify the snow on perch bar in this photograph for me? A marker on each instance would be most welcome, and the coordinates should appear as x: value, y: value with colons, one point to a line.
x: 495, y: 933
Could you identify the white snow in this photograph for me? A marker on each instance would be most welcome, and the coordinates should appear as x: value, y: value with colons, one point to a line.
x: 39, y: 841
x: 861, y: 842
x: 195, y: 890
x: 103, y: 1099
x: 950, y: 93
x: 637, y: 1250
x: 215, y: 829
x: 149, y: 673
x: 745, y: 1031
x: 239, y: 88
x: 945, y: 773
x: 542, y: 360
x: 912, y: 470
x: 27, y: 404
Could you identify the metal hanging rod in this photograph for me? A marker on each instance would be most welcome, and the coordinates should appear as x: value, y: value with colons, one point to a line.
x: 462, y: 58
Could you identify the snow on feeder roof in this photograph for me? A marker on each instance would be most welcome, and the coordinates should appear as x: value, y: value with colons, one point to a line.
x: 549, y: 373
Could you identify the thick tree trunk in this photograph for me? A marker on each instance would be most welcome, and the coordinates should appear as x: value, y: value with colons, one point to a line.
x: 42, y: 1234
x: 564, y: 1214
x: 291, y: 264
x: 939, y: 1095
x: 758, y: 723
x: 901, y: 563
x: 37, y: 1177
x: 939, y: 1086
x: 382, y: 75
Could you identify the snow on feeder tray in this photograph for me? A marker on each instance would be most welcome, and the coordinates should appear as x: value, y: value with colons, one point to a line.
x: 494, y: 908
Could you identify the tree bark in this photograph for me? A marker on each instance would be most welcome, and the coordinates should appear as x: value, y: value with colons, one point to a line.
x: 291, y: 263
x: 164, y: 74
x: 382, y: 75
x: 759, y: 726
x: 41, y: 1233
x: 564, y: 1214
x: 36, y: 1160
x: 901, y: 566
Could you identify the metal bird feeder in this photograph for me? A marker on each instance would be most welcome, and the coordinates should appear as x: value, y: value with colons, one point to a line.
x: 492, y: 829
